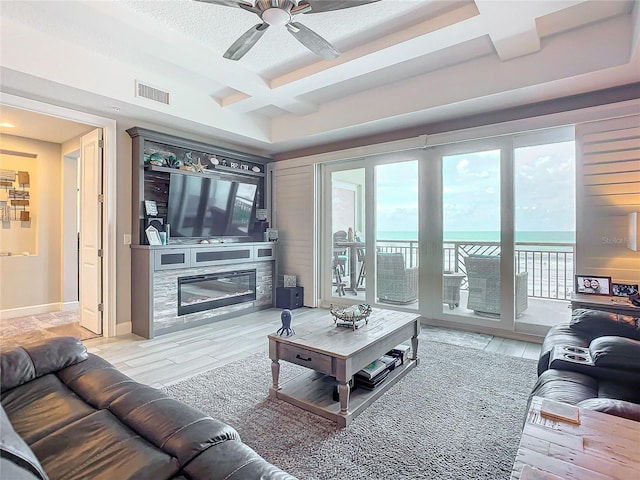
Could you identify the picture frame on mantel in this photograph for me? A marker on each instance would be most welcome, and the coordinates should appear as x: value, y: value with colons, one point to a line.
x: 593, y: 285
x: 153, y: 236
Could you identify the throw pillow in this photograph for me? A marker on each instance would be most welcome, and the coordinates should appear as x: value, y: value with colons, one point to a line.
x: 595, y: 323
x: 619, y: 408
x: 616, y: 352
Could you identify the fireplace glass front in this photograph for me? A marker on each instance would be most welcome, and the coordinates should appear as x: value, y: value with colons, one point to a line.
x: 205, y: 292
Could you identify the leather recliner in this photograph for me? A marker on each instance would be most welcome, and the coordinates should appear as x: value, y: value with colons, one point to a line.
x: 70, y: 414
x: 593, y: 362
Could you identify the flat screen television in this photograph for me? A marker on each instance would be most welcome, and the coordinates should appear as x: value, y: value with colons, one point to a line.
x: 209, y: 206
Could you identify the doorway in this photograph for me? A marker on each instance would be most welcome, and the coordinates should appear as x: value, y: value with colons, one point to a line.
x: 106, y: 233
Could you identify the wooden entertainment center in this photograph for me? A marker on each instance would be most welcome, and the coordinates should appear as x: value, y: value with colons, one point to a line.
x: 194, y: 280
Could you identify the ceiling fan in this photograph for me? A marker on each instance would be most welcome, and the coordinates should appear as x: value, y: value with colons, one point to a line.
x: 280, y: 13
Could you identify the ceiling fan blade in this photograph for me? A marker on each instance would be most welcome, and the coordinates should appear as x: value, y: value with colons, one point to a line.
x: 302, y: 7
x: 227, y: 3
x: 247, y: 40
x: 312, y: 41
x: 318, y: 6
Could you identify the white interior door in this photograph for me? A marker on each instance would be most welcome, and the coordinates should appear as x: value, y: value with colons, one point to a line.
x: 91, y: 231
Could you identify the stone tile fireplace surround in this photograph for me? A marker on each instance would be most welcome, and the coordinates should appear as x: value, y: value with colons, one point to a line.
x: 157, y: 273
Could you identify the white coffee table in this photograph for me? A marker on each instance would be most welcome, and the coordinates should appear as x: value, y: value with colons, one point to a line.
x: 333, y: 355
x: 600, y: 446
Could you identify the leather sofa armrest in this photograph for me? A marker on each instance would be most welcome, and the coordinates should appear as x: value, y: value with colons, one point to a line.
x: 616, y: 353
x: 25, y: 363
x: 232, y: 460
x: 561, y: 334
x: 619, y: 408
x: 17, y: 460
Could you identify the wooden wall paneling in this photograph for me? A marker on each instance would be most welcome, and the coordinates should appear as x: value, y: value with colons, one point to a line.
x: 294, y: 217
x: 616, y: 167
x: 617, y: 132
x: 608, y: 188
x: 610, y: 157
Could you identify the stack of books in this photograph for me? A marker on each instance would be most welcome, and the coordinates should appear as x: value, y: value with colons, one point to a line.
x: 377, y: 371
x: 373, y: 382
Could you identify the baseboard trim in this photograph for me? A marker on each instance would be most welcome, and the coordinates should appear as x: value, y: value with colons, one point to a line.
x: 31, y: 310
x: 70, y: 306
x: 123, y: 328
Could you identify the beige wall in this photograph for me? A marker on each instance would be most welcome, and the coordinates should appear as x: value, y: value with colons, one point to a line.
x: 33, y: 280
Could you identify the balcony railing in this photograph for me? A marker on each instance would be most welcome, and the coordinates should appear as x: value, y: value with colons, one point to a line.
x: 550, y: 265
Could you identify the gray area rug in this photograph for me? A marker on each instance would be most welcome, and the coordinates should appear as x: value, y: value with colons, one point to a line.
x: 458, y: 415
x: 456, y: 337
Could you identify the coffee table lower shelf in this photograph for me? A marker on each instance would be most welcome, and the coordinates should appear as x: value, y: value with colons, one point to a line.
x: 313, y: 391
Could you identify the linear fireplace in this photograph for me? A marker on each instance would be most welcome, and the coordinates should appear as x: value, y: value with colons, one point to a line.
x: 205, y: 292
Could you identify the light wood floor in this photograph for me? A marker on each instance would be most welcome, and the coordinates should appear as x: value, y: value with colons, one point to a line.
x: 173, y: 357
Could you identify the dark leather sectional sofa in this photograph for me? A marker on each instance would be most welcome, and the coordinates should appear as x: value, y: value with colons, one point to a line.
x: 593, y: 362
x: 70, y: 414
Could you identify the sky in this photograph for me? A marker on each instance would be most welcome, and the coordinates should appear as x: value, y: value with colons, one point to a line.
x: 544, y: 191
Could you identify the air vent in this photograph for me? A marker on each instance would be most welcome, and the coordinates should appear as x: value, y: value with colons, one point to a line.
x: 152, y: 93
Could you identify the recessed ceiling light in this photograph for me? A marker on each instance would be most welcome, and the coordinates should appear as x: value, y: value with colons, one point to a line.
x: 7, y: 125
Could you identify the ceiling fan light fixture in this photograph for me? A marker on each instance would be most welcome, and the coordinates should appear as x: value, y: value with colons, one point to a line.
x: 276, y: 17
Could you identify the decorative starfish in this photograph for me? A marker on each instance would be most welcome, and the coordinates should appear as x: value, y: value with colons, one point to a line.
x: 200, y: 168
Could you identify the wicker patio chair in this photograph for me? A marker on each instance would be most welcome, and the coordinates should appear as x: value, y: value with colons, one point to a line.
x: 396, y: 283
x: 483, y: 273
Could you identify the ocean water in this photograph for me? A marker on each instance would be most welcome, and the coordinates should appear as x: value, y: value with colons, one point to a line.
x: 537, y: 237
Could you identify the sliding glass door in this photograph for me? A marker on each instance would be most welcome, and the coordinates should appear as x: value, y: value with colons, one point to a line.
x: 471, y: 234
x: 371, y: 254
x: 345, y: 234
x: 396, y: 234
x: 545, y: 224
x: 464, y: 233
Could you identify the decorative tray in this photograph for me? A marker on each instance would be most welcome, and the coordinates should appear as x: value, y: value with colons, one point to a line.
x: 351, y: 316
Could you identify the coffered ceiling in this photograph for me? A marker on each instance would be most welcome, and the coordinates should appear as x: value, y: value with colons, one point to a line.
x: 403, y: 63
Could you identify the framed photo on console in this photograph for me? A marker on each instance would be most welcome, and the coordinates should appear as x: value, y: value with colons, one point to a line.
x: 623, y: 289
x: 153, y: 236
x: 593, y: 285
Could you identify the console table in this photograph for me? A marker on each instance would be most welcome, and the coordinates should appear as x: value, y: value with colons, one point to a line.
x: 619, y: 305
x: 600, y: 446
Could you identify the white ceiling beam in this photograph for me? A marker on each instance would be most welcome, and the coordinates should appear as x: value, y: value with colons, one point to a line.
x: 512, y: 25
x: 429, y: 36
x: 35, y: 53
x: 242, y: 103
x: 187, y: 53
x: 481, y: 78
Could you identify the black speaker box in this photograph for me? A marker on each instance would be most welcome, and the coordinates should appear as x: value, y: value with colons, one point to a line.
x: 289, y: 297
